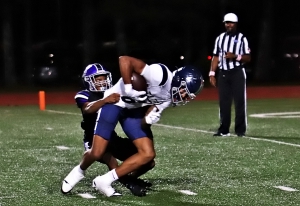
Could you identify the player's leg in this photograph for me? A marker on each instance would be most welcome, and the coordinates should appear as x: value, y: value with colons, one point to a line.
x: 142, y: 139
x: 107, y: 157
x: 123, y: 148
x: 106, y: 122
x: 107, y: 119
x: 143, y: 170
x: 145, y: 154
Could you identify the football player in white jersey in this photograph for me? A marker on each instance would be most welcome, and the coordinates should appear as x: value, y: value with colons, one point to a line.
x: 96, y: 80
x: 164, y: 88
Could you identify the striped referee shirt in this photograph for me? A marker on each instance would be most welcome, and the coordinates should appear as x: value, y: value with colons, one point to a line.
x: 235, y: 43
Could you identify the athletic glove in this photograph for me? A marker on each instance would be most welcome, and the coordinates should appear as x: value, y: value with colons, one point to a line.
x: 136, y: 95
x: 153, y: 117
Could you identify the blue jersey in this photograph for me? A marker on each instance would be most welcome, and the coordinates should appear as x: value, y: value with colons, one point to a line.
x: 88, y: 120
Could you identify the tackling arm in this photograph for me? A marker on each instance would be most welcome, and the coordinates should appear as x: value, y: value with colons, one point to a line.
x: 92, y: 107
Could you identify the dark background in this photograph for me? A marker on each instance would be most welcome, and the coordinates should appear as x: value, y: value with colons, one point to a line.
x: 80, y: 32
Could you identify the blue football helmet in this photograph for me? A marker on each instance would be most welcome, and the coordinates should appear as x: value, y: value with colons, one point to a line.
x: 186, y: 84
x: 89, y: 75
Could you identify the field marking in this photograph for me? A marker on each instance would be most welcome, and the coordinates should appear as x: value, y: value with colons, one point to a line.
x: 61, y: 112
x: 86, y: 196
x: 247, y: 137
x: 196, y: 130
x: 62, y: 147
x: 277, y: 115
x: 183, y: 128
x: 289, y: 189
x: 187, y: 192
x: 7, y: 197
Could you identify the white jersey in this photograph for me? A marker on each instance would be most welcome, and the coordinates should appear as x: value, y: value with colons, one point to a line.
x: 159, y: 79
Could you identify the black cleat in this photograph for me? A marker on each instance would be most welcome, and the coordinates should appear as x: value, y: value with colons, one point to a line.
x: 143, y: 183
x: 136, y: 190
x: 240, y: 134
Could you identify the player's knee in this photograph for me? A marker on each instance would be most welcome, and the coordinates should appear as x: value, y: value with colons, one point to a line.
x: 148, y: 155
x: 96, y: 154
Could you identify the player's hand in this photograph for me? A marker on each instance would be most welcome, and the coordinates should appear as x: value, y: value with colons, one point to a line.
x: 229, y: 55
x: 112, y: 98
x: 137, y: 95
x: 153, y: 117
x: 212, y: 80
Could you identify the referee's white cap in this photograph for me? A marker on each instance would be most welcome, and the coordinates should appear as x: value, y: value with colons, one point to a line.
x: 230, y: 17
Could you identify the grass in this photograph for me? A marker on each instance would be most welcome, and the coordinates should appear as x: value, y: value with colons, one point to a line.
x: 221, y: 171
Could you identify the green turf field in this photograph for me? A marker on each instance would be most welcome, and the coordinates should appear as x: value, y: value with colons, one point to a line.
x: 216, y: 171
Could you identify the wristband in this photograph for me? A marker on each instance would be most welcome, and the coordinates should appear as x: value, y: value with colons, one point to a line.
x: 239, y: 57
x: 211, y: 73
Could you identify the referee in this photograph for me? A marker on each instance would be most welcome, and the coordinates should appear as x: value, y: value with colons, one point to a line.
x: 231, y: 52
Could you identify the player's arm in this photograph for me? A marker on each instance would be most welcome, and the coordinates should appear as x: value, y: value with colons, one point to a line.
x: 128, y: 65
x: 92, y: 107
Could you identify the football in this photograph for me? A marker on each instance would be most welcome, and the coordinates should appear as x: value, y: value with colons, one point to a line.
x: 138, y: 82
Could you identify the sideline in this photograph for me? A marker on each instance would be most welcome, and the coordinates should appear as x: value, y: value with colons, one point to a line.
x: 194, y: 130
x: 277, y: 115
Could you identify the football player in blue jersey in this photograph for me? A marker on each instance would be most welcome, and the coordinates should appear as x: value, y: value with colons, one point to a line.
x: 164, y: 88
x: 96, y: 80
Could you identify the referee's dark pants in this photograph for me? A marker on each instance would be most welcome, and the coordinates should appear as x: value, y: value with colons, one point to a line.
x: 232, y: 86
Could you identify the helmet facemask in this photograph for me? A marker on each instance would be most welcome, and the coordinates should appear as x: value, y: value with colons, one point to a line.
x: 94, y: 83
x: 187, y: 82
x: 181, y: 95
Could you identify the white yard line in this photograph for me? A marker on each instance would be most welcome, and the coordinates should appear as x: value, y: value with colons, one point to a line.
x: 62, y: 112
x: 7, y: 197
x: 277, y: 115
x: 183, y: 128
x: 86, y: 196
x: 285, y: 188
x: 194, y: 130
x: 62, y: 147
x: 187, y: 192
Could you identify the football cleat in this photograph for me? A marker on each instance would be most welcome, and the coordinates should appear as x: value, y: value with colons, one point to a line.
x: 136, y: 190
x: 106, y: 189
x: 143, y: 183
x: 137, y: 187
x: 71, y: 180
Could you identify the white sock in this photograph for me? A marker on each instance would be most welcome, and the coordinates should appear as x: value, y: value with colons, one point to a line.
x: 80, y: 170
x: 111, y: 176
x: 114, y: 174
